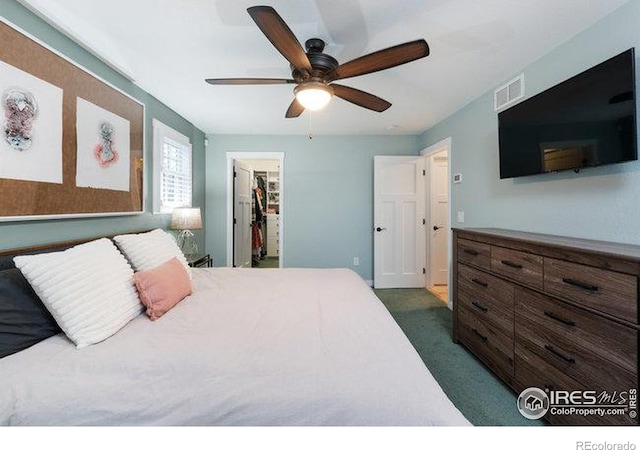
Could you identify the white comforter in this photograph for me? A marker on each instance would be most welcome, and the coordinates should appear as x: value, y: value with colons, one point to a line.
x: 249, y: 347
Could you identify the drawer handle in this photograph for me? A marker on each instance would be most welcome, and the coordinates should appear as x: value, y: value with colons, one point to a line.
x: 479, y: 306
x: 480, y: 335
x: 481, y: 283
x: 469, y: 251
x: 580, y: 284
x: 560, y: 355
x: 511, y: 264
x: 551, y: 315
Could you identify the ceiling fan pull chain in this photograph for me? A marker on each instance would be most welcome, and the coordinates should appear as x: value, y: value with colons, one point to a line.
x: 310, y: 125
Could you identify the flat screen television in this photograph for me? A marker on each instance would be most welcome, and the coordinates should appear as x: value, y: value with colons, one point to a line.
x: 588, y: 120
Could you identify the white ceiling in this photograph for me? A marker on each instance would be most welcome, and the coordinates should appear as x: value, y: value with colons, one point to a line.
x: 170, y: 46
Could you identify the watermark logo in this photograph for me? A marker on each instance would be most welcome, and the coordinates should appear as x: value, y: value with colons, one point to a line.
x: 533, y: 403
x: 589, y: 445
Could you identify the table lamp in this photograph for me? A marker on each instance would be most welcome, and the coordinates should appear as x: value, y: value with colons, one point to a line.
x: 185, y: 220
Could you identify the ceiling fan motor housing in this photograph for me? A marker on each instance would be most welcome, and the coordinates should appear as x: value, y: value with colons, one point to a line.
x: 323, y: 65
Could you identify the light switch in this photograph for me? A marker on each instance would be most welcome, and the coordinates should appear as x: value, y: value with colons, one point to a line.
x: 460, y: 216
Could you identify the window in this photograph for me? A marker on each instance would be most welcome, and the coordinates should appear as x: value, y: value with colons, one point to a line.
x: 172, y: 169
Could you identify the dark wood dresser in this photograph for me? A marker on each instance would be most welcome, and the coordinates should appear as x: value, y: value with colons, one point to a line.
x: 556, y: 313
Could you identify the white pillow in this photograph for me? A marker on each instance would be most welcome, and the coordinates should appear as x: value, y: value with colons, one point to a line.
x: 88, y: 289
x: 147, y: 251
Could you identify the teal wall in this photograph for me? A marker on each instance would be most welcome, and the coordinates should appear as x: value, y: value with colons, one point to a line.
x: 599, y: 203
x: 26, y: 233
x: 328, y: 204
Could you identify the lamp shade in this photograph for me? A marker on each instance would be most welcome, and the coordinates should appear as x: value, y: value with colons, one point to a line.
x: 186, y: 219
x: 313, y: 95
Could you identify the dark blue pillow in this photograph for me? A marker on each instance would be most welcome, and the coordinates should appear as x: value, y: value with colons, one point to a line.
x: 24, y: 321
x: 6, y: 262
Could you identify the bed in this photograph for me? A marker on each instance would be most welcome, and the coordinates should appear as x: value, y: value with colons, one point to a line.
x: 247, y: 347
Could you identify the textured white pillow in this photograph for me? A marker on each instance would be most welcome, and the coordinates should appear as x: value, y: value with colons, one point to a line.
x: 147, y: 251
x: 88, y: 289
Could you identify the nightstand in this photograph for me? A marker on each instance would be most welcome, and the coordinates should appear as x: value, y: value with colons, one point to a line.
x: 199, y: 260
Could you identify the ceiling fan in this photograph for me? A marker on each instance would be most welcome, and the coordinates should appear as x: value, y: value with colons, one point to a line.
x: 314, y: 72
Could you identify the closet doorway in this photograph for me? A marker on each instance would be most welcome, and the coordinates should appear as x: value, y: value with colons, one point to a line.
x: 264, y: 222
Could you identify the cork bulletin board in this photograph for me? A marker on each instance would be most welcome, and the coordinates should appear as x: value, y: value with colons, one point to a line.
x: 71, y: 145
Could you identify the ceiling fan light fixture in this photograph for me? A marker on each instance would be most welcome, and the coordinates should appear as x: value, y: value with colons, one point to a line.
x: 313, y: 95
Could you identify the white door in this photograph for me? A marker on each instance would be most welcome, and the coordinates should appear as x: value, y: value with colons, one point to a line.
x: 439, y: 220
x: 398, y: 209
x: 242, y: 193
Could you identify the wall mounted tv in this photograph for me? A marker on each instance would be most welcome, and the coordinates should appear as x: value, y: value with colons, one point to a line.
x: 586, y: 121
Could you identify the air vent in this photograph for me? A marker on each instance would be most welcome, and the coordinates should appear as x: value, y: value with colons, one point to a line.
x: 509, y: 93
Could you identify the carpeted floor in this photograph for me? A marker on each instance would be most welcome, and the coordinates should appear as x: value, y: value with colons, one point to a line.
x: 478, y: 394
x: 268, y: 263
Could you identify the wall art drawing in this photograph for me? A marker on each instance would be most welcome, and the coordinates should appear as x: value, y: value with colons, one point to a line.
x: 105, y: 152
x: 20, y: 111
x: 103, y: 148
x: 31, y: 127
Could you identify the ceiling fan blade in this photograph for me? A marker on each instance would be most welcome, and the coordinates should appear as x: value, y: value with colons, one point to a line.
x: 280, y: 35
x: 383, y: 59
x: 360, y: 98
x: 295, y: 109
x: 245, y: 81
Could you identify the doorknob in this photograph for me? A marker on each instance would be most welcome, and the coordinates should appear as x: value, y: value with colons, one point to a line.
x: 380, y: 229
x: 436, y: 228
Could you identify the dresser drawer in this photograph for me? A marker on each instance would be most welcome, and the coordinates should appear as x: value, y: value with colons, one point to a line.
x: 520, y: 266
x: 572, y: 359
x: 490, y: 345
x: 490, y: 297
x: 533, y: 371
x: 605, y: 338
x: 610, y: 292
x: 474, y: 253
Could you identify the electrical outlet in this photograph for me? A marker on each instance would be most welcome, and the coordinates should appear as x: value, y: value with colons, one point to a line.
x: 460, y: 216
x: 356, y: 261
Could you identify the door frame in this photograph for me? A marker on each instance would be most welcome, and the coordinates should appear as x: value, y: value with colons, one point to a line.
x: 440, y: 146
x: 231, y: 158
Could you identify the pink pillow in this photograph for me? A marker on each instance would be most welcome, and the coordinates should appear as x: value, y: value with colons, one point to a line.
x: 163, y: 287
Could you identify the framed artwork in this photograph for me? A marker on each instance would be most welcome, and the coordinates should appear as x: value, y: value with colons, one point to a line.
x: 71, y: 144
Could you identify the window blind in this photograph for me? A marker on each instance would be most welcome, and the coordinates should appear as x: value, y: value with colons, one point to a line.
x: 175, y: 184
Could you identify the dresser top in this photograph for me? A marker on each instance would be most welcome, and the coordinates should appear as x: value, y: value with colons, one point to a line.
x: 625, y: 251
